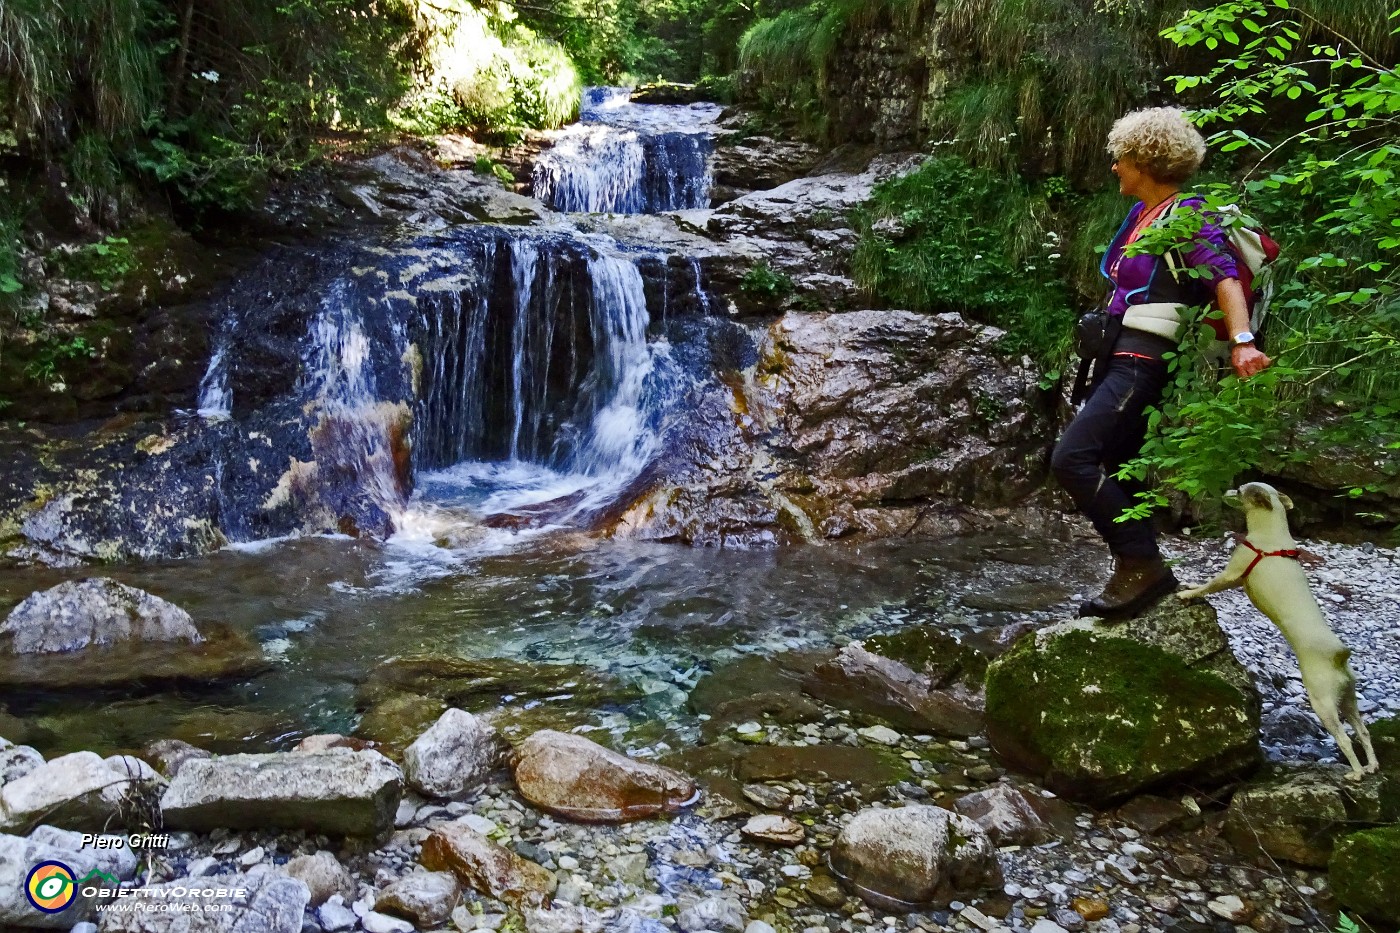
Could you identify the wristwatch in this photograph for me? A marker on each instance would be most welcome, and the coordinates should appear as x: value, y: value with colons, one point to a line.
x: 1242, y: 339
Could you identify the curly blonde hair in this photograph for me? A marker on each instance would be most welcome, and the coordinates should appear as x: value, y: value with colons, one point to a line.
x: 1160, y: 141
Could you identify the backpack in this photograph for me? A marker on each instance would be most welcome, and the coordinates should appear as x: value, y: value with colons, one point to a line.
x: 1254, y: 252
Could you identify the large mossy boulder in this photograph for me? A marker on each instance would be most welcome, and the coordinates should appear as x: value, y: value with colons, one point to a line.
x: 1101, y: 711
x: 1365, y: 874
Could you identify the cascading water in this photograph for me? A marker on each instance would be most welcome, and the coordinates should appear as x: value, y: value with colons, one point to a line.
x: 542, y: 386
x: 628, y: 158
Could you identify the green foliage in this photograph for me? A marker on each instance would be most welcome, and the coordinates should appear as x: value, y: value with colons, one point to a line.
x: 954, y: 237
x: 51, y: 352
x: 785, y: 61
x: 764, y: 282
x: 105, y: 262
x: 1331, y: 180
x: 485, y: 165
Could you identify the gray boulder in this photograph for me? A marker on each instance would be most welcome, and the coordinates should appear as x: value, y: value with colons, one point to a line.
x: 18, y: 856
x: 1010, y: 816
x: 261, y: 902
x: 323, y: 876
x: 170, y: 754
x: 425, y: 897
x: 339, y: 792
x: 453, y: 756
x: 915, y: 855
x: 1098, y: 712
x: 77, y: 791
x: 724, y: 914
x: 92, y: 613
x: 884, y: 690
x: 118, y: 860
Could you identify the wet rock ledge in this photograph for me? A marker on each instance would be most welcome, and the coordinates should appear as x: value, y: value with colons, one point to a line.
x: 872, y: 786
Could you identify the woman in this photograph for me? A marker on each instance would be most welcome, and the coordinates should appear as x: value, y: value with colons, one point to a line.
x: 1155, y: 151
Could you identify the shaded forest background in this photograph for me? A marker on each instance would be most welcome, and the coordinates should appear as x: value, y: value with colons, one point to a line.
x: 124, y: 123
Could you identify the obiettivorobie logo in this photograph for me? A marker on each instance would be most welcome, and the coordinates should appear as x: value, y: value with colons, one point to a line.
x: 51, y: 887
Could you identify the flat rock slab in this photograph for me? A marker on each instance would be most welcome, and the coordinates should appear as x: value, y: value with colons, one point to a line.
x: 339, y: 792
x: 221, y: 654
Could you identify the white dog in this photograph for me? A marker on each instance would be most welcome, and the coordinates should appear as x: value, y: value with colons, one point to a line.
x: 1266, y: 564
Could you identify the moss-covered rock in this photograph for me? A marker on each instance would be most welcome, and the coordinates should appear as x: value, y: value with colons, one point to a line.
x: 1098, y: 712
x: 1365, y: 873
x: 1296, y: 814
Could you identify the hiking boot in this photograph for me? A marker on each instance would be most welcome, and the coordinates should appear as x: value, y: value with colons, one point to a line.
x: 1136, y: 584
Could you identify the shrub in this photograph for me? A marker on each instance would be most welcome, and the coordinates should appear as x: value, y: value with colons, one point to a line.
x: 954, y: 237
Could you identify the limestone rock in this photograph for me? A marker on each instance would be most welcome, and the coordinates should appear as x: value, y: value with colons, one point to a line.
x: 92, y: 613
x: 323, y: 876
x: 1296, y: 816
x: 427, y: 898
x: 913, y: 855
x: 721, y: 914
x: 270, y: 903
x: 338, y: 792
x: 170, y: 754
x: 485, y: 867
x: 577, y: 778
x: 17, y: 761
x: 1098, y: 712
x: 77, y: 791
x: 1007, y: 814
x: 119, y: 861
x: 1365, y: 874
x: 453, y: 756
x: 779, y: 830
x: 17, y: 857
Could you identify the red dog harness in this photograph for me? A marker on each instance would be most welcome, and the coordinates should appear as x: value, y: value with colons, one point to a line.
x: 1242, y: 541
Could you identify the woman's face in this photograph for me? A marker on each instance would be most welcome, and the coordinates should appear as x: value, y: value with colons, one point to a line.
x: 1131, y: 178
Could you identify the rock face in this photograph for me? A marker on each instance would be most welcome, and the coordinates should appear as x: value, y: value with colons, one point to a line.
x: 453, y: 756
x: 908, y: 856
x: 17, y: 857
x: 338, y: 792
x: 92, y: 613
x: 1099, y: 712
x: 580, y: 779
x: 845, y: 420
x: 1298, y: 815
x: 1365, y: 874
x: 79, y: 791
x: 486, y: 867
x: 266, y: 902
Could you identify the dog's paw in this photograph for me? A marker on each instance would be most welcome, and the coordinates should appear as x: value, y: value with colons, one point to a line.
x: 1355, y: 775
x: 1185, y: 595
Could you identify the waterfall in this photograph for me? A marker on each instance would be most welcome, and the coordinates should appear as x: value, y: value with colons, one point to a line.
x: 547, y: 363
x: 627, y: 159
x: 215, y: 396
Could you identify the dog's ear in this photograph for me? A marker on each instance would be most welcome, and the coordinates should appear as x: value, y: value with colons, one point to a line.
x: 1284, y: 501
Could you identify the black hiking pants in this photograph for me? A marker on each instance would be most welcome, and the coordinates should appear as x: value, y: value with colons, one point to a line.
x: 1108, y: 432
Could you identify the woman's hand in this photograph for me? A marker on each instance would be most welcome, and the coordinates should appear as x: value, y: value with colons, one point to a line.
x: 1248, y: 360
